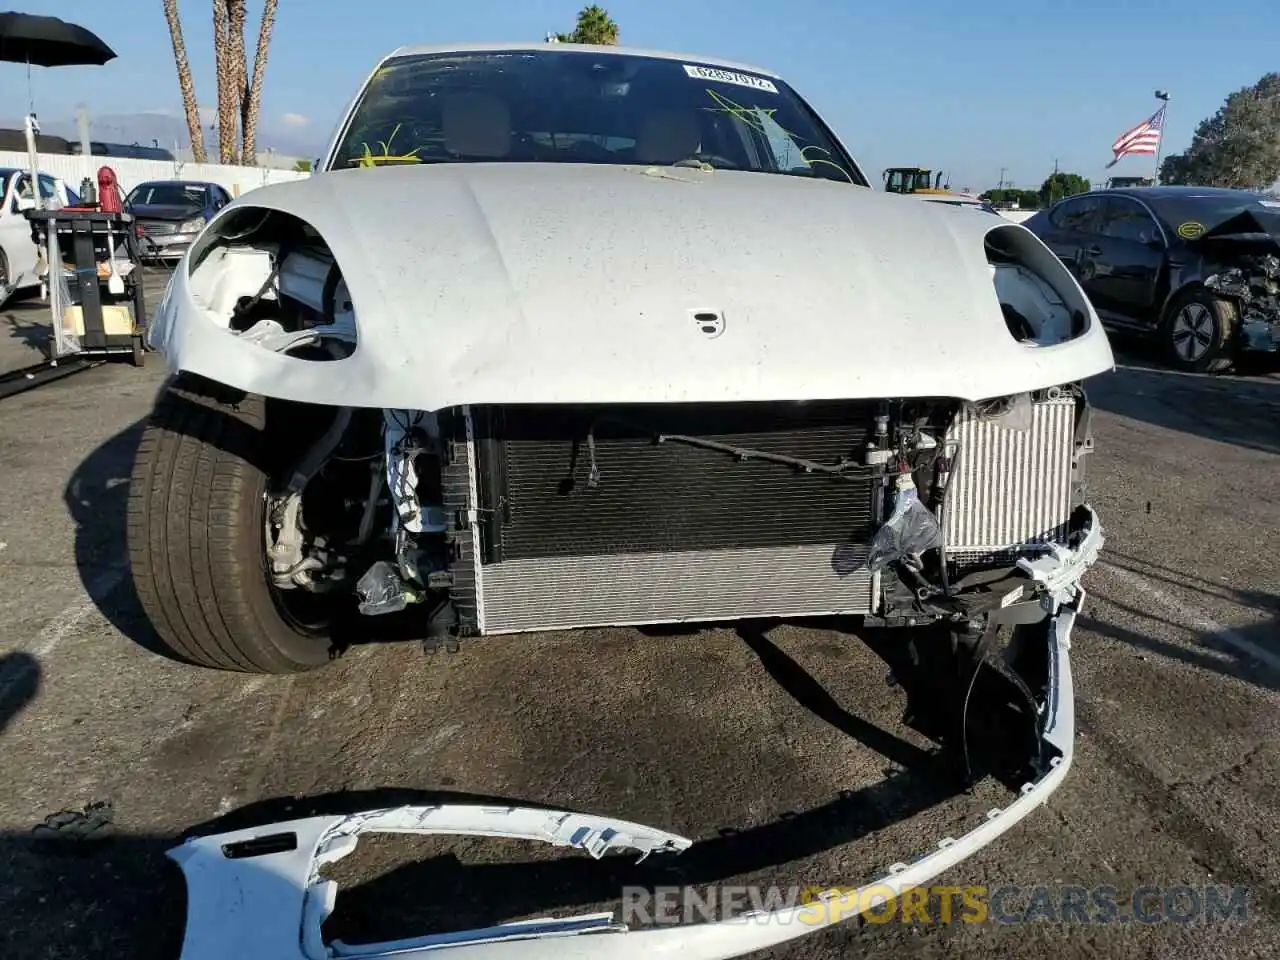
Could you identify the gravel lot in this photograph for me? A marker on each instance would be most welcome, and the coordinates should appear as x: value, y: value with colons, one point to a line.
x: 783, y: 753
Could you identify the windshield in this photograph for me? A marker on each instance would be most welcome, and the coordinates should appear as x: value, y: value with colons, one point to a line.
x: 168, y: 195
x: 1190, y: 214
x: 548, y: 106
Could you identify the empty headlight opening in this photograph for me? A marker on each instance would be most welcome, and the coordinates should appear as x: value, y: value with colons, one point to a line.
x: 1042, y: 305
x: 269, y: 277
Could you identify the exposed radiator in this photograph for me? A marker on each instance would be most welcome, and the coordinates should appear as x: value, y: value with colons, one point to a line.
x: 671, y: 532
x: 1010, y: 486
x: 705, y: 585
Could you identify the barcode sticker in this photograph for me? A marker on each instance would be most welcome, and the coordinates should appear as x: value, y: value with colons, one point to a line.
x: 730, y: 76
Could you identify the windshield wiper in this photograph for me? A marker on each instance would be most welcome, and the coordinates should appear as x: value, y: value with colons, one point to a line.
x: 393, y: 161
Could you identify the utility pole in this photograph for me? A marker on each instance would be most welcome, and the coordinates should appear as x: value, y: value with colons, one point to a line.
x: 1163, y: 97
x: 86, y: 152
x: 1002, y: 172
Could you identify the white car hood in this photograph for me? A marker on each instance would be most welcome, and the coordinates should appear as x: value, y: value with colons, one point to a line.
x: 559, y: 283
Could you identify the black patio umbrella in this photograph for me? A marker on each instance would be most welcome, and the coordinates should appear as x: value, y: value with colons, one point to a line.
x: 49, y: 42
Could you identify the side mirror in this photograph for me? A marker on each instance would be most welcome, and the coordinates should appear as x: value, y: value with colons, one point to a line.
x: 24, y: 203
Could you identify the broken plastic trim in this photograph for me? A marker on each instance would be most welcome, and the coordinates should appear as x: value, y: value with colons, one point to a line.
x: 271, y: 907
x: 1254, y: 284
x: 253, y: 898
x: 1060, y: 569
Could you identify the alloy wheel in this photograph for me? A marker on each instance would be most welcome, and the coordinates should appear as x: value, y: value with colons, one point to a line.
x: 1193, y: 331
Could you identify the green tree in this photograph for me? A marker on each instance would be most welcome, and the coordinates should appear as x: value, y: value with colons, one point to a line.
x: 1181, y: 169
x: 1239, y: 146
x: 594, y: 26
x: 1059, y: 185
x: 302, y: 166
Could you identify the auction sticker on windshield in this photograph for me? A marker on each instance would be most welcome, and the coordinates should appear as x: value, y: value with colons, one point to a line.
x: 730, y: 76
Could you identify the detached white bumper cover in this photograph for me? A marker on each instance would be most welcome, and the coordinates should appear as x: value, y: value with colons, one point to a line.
x: 271, y: 906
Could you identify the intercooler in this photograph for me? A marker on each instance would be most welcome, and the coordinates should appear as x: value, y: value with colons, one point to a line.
x: 1011, y: 482
x: 579, y: 517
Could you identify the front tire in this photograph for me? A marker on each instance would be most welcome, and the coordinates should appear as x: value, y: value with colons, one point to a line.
x: 1199, y: 332
x: 196, y: 520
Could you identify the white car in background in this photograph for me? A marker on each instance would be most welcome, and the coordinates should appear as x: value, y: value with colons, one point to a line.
x: 18, y: 252
x: 564, y: 337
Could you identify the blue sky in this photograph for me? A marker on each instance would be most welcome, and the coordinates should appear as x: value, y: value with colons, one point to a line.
x: 967, y: 88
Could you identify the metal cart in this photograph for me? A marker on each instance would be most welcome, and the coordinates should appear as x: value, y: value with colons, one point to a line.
x: 95, y: 295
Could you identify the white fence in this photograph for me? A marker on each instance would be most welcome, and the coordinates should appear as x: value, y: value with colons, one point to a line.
x: 130, y: 172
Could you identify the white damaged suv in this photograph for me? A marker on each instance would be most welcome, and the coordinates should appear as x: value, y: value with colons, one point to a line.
x: 570, y: 336
x: 567, y: 336
x: 564, y: 337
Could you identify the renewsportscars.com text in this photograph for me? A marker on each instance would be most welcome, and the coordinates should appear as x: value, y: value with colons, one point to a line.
x: 1066, y: 904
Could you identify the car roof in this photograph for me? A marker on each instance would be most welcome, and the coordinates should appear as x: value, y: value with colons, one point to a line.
x: 1184, y: 193
x: 598, y: 50
x: 6, y: 172
x: 181, y: 183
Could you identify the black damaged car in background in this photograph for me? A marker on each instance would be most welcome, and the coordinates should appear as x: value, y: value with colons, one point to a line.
x: 1196, y: 267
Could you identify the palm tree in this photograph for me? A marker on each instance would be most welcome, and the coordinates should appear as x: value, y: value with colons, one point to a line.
x: 185, y: 84
x: 227, y: 74
x: 253, y: 94
x: 594, y: 26
x: 236, y: 16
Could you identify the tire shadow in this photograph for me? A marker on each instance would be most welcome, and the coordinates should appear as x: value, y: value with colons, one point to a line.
x: 97, y: 498
x: 20, y: 678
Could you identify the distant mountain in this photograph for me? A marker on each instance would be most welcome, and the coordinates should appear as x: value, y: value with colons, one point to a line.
x: 143, y: 128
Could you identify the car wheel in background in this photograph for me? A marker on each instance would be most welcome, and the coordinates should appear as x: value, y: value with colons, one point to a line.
x: 1198, y: 332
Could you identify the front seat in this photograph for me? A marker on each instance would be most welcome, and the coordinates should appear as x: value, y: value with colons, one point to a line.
x: 668, y: 136
x: 476, y: 125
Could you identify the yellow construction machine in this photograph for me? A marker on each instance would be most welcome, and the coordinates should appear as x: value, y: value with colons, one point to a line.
x: 913, y: 180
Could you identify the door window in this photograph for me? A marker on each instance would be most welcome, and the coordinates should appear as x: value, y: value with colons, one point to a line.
x: 1075, y: 214
x: 1125, y: 219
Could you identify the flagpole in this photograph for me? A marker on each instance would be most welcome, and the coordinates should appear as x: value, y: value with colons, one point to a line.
x: 1163, y: 96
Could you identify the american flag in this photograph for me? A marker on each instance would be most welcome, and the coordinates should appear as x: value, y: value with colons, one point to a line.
x: 1144, y: 138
